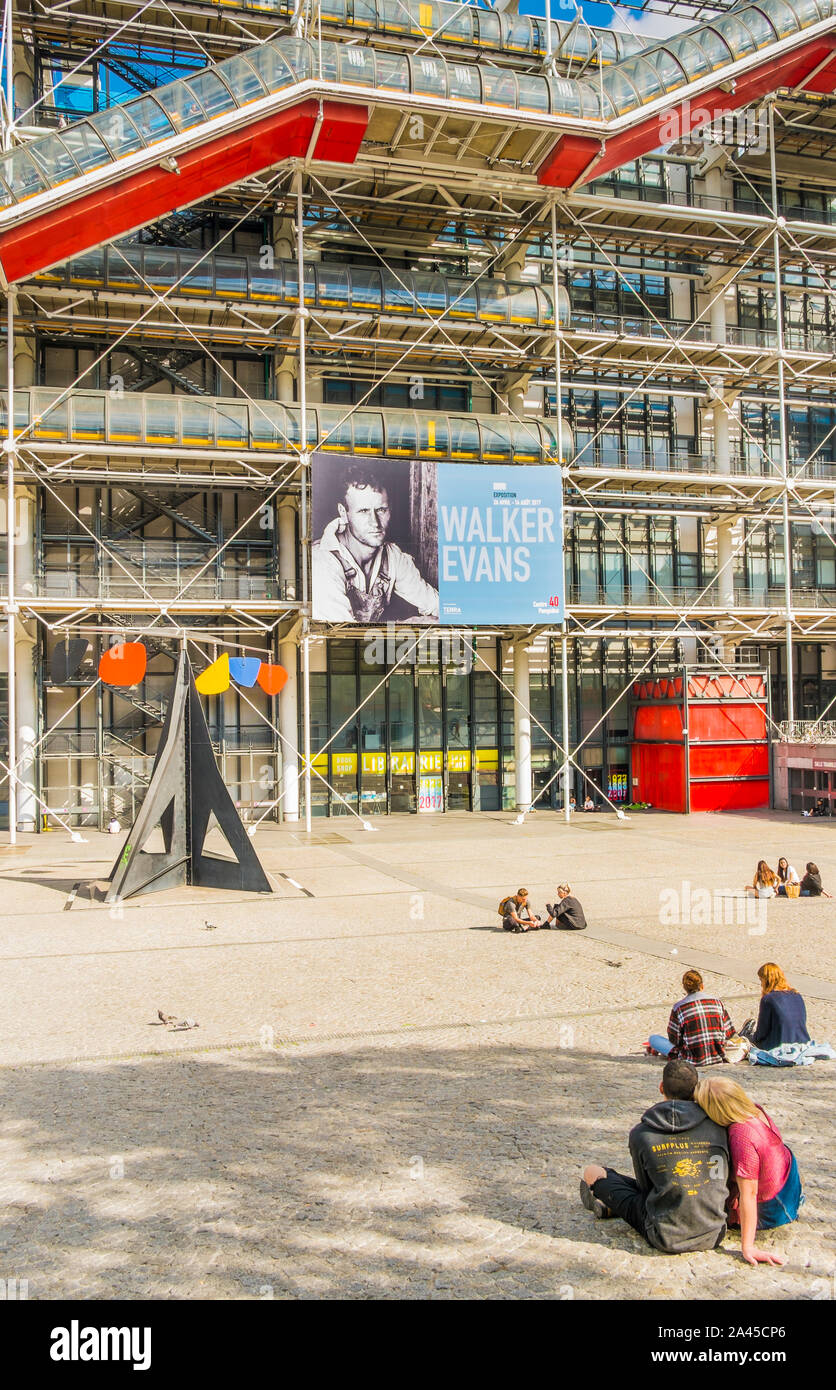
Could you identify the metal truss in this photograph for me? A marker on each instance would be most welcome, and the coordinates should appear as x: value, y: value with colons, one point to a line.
x: 421, y: 192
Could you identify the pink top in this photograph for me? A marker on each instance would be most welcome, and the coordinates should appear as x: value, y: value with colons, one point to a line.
x: 758, y: 1152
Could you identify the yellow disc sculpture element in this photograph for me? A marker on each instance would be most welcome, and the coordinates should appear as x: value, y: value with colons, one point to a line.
x: 215, y: 679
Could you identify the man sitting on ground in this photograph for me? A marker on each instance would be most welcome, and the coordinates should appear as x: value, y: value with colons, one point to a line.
x: 566, y: 914
x: 677, y: 1199
x: 517, y: 915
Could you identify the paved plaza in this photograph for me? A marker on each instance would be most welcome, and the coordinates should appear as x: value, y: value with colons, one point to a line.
x: 386, y: 1095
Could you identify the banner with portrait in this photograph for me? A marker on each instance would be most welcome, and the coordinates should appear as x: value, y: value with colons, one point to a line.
x: 413, y: 540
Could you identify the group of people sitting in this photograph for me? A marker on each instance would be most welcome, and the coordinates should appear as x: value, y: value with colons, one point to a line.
x: 705, y: 1158
x: 588, y: 803
x: 700, y: 1030
x: 785, y: 883
x: 820, y: 808
x: 566, y: 914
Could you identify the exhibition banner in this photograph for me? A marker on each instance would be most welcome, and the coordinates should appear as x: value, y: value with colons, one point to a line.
x: 401, y: 540
x: 500, y: 544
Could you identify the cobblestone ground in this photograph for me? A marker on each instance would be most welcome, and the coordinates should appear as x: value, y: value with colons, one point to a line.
x: 386, y: 1097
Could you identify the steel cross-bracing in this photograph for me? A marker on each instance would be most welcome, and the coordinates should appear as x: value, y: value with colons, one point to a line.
x: 420, y: 171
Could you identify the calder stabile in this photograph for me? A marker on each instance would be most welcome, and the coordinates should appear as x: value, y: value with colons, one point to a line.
x: 186, y: 789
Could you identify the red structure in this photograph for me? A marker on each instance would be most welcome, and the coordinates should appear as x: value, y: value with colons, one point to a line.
x: 333, y: 133
x: 700, y: 740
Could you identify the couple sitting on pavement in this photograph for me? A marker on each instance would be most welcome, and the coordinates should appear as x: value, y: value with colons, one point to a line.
x: 705, y: 1158
x: 701, y: 1032
x: 564, y: 915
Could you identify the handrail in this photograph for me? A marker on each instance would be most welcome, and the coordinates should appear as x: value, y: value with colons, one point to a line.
x: 807, y: 731
x: 138, y: 420
x: 463, y: 25
x: 327, y: 285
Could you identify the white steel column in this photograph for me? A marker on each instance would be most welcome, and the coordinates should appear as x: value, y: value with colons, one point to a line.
x: 522, y: 725
x: 782, y: 408
x: 558, y: 386
x: 289, y: 697
x: 564, y: 673
x: 720, y: 423
x: 725, y: 562
x: 10, y: 561
x: 305, y: 461
x: 26, y: 686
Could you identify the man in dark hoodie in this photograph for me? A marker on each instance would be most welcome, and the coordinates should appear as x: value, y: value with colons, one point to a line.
x: 677, y: 1199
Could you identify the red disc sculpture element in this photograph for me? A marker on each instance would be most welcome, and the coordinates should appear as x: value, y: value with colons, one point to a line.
x: 123, y: 664
x: 272, y: 679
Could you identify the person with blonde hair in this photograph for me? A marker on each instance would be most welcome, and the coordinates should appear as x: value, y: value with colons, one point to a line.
x: 765, y: 1186
x: 677, y: 1197
x: 698, y: 1028
x: 782, y: 1016
x: 566, y: 914
x: 765, y: 882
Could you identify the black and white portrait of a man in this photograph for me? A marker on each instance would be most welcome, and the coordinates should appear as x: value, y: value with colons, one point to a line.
x: 375, y: 556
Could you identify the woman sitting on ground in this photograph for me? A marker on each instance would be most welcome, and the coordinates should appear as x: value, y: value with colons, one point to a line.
x: 566, y: 914
x: 811, y: 883
x: 782, y: 1016
x: 765, y: 881
x: 765, y: 1185
x: 786, y: 874
x: 517, y: 915
x: 698, y: 1027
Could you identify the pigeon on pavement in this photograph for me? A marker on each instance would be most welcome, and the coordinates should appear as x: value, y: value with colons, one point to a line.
x: 165, y: 1018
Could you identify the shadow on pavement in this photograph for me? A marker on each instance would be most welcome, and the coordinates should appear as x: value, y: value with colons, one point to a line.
x: 407, y: 1171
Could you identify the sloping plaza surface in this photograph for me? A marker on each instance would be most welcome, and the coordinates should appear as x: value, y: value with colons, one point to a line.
x: 386, y: 1095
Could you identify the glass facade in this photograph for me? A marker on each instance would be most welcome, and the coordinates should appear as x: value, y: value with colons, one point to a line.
x: 431, y: 735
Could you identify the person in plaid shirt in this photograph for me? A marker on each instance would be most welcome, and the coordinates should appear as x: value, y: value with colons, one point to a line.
x: 698, y: 1027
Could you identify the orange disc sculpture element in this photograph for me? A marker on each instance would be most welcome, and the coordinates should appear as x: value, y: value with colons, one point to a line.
x: 272, y: 679
x: 215, y: 679
x: 123, y: 664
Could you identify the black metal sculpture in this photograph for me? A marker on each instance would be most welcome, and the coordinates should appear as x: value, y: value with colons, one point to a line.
x: 186, y: 788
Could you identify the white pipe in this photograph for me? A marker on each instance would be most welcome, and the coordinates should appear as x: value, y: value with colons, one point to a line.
x: 10, y: 562
x: 304, y: 513
x: 782, y: 416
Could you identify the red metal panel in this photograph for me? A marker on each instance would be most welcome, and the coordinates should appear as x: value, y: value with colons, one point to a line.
x: 659, y: 775
x: 729, y: 796
x: 729, y: 760
x: 655, y: 722
x: 342, y: 131
x: 707, y: 723
x: 140, y: 198
x: 768, y: 76
x: 570, y: 156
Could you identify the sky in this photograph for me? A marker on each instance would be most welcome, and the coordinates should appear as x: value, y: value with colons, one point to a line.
x: 605, y: 16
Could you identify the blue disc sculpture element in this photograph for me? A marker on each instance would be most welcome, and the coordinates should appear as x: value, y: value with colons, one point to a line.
x: 244, y: 670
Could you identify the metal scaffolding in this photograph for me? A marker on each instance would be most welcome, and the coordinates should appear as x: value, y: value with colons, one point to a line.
x: 404, y: 192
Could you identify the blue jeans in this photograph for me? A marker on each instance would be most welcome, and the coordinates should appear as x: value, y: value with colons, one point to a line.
x: 660, y: 1044
x: 783, y: 1207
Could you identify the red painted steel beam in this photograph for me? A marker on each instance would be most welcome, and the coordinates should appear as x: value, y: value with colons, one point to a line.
x: 97, y: 217
x: 575, y: 157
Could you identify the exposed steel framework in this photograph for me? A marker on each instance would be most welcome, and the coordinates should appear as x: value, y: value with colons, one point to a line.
x: 333, y: 121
